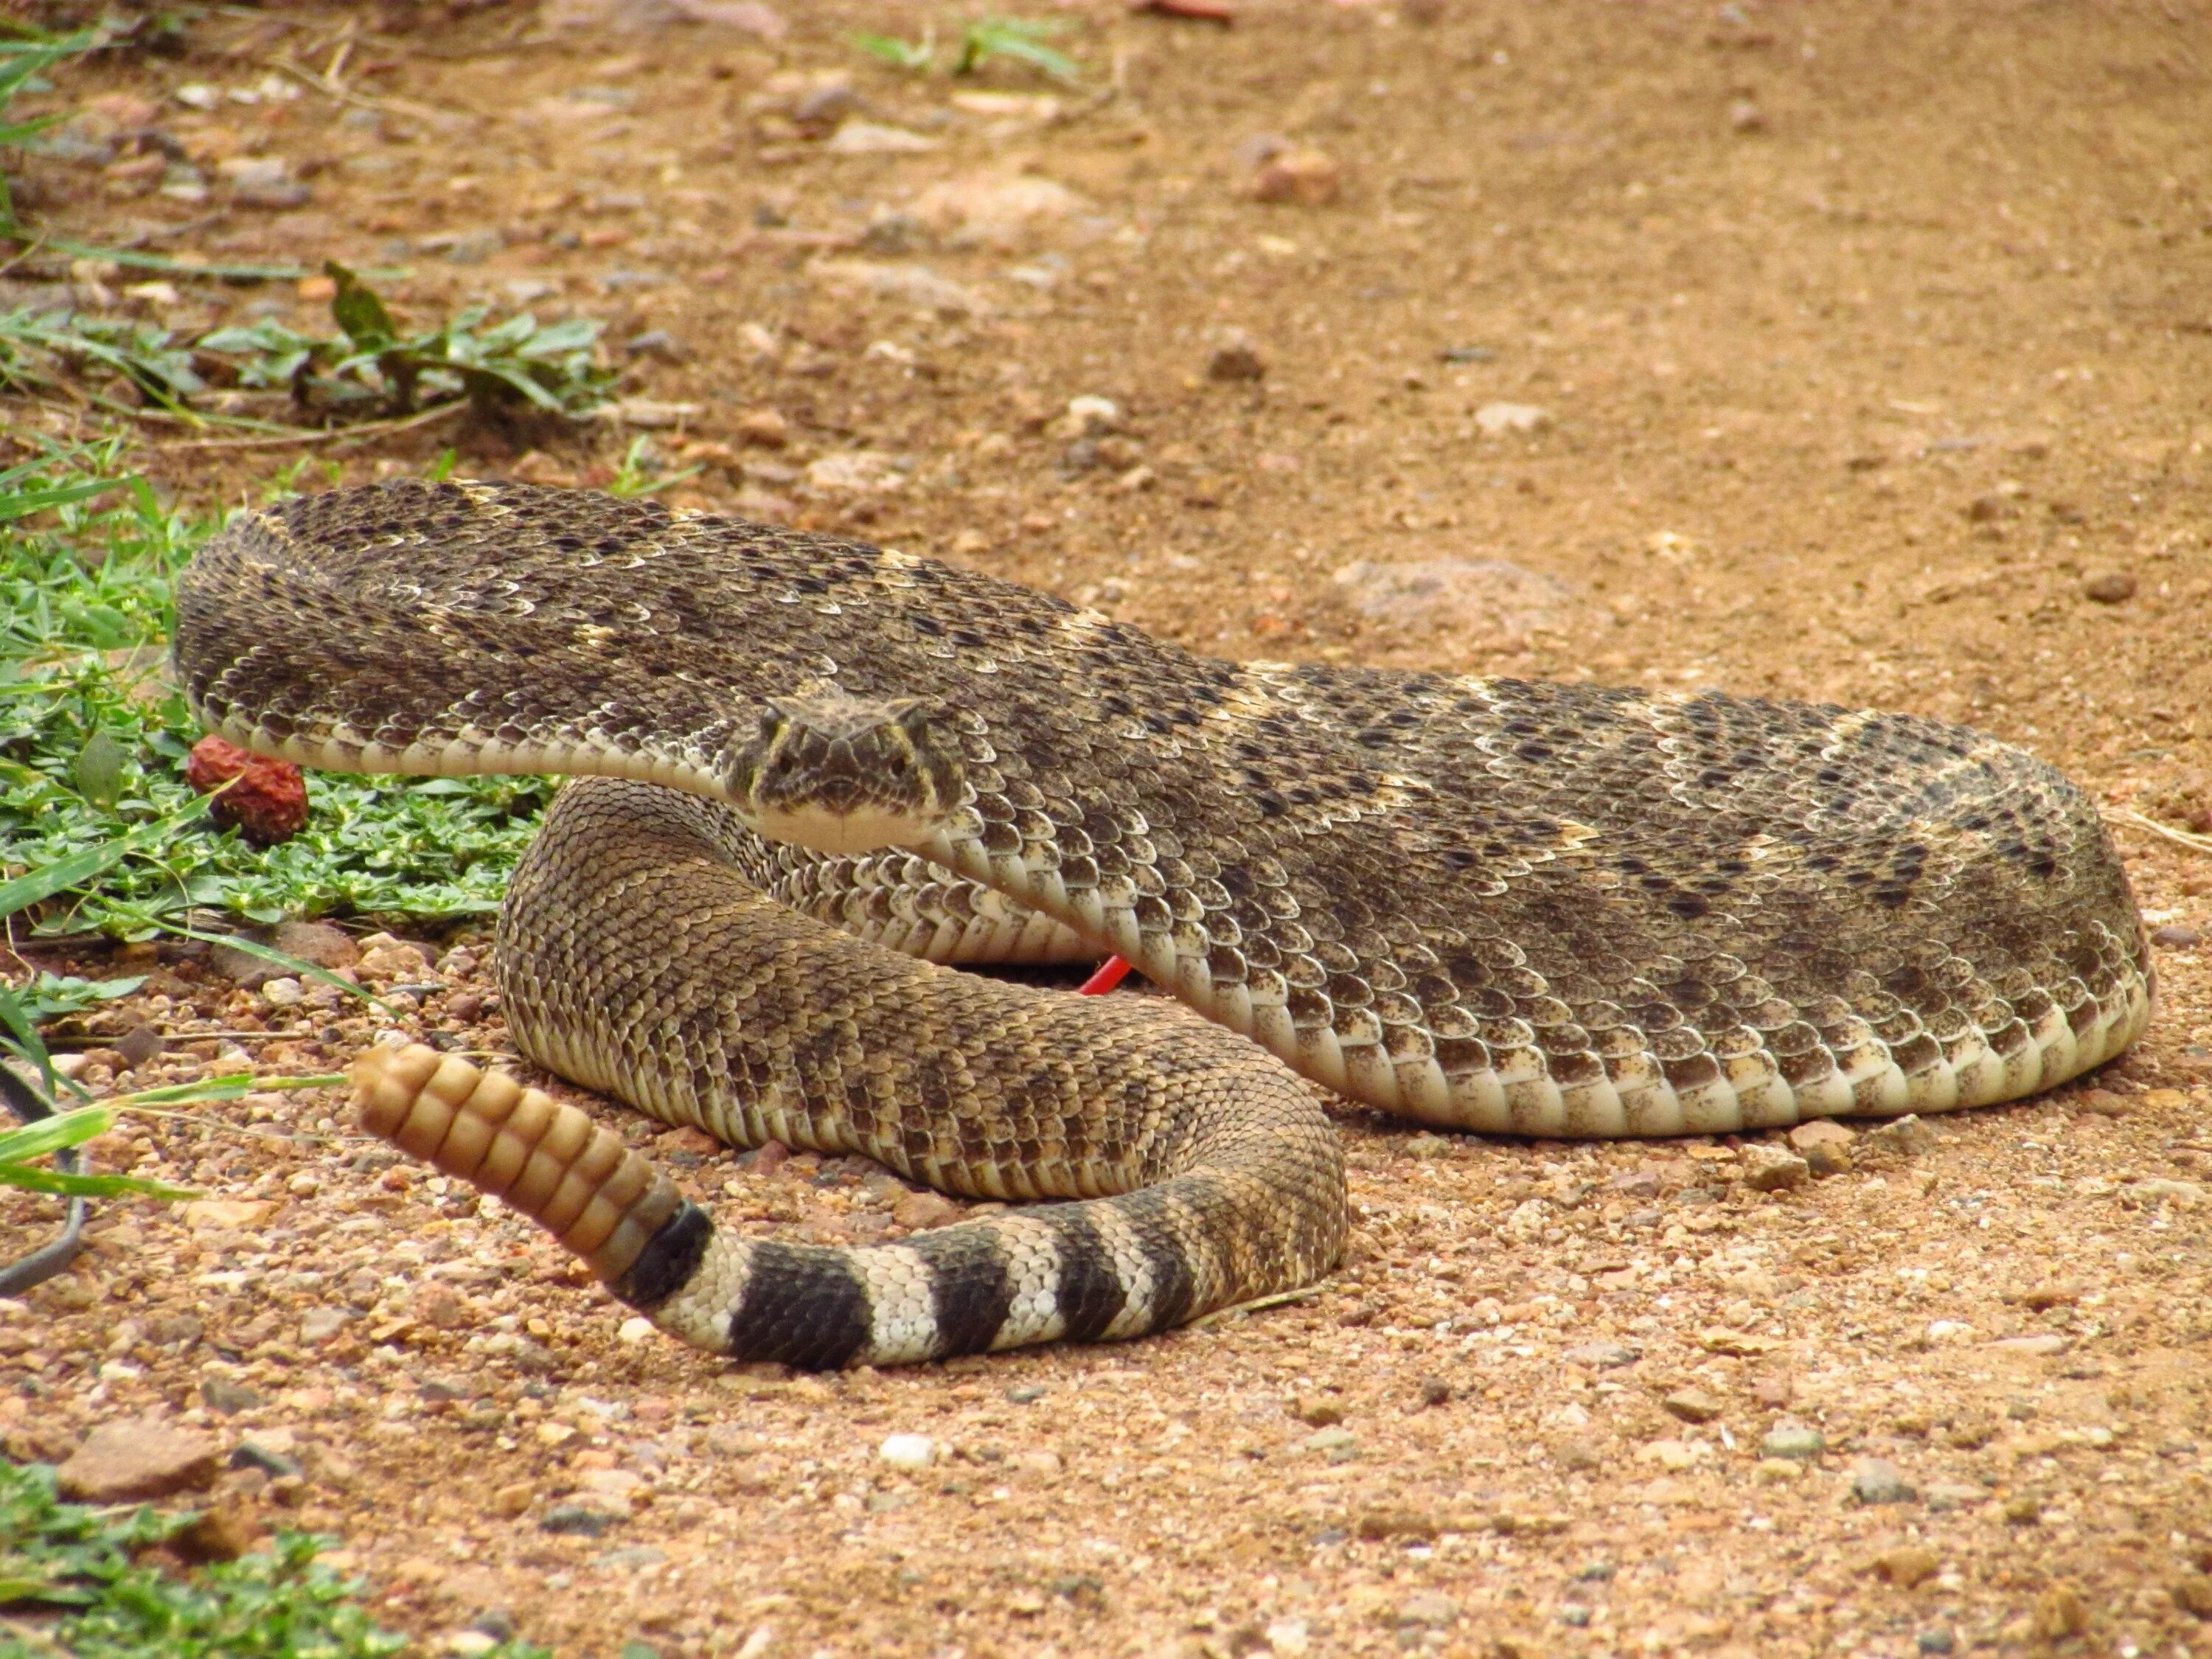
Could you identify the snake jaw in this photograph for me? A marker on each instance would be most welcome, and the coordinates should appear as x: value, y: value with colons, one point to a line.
x: 846, y: 775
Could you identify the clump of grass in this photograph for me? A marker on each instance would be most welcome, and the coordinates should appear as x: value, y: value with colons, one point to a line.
x: 1020, y: 40
x: 94, y: 740
x: 24, y: 61
x: 371, y: 366
x: 370, y: 360
x: 82, y: 1582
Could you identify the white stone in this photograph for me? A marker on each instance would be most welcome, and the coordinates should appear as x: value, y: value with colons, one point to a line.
x: 282, y: 992
x: 907, y: 1451
x: 1495, y: 420
x: 635, y: 1330
x: 876, y: 138
x: 1094, y: 417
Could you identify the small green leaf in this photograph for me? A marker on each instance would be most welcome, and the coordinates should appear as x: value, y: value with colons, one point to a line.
x: 357, y: 310
x: 100, y: 769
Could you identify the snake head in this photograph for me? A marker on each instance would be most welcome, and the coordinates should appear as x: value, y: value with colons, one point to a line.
x: 840, y: 774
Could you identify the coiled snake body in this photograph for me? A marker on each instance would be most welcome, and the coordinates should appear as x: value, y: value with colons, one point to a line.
x: 1535, y: 909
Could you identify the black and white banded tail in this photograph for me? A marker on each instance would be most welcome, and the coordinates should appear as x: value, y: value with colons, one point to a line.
x: 1098, y: 1269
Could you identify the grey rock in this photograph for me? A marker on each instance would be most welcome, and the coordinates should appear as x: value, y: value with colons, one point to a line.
x: 1477, y: 598
x: 1600, y: 1356
x: 1794, y: 1441
x: 1428, y: 1610
x: 638, y: 1555
x: 2176, y: 938
x: 576, y: 1521
x: 250, y: 1454
x: 1945, y: 1496
x: 1338, y: 1444
x: 320, y: 1325
x: 1878, y: 1480
x: 219, y: 1394
x: 659, y: 344
x: 1906, y: 1137
x: 281, y: 198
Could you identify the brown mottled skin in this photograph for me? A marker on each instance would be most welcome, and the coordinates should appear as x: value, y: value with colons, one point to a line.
x: 1493, y: 904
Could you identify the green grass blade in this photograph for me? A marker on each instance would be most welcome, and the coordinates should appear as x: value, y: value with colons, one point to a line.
x: 73, y: 871
x: 82, y: 1186
x: 52, y: 1135
x: 229, y: 1086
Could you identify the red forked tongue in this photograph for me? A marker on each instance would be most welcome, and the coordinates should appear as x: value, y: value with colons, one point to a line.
x: 1111, y: 973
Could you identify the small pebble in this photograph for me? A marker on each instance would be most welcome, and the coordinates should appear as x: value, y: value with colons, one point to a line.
x: 1337, y: 1445
x: 659, y: 344
x: 2060, y: 1613
x: 907, y: 1451
x: 1793, y: 1441
x: 1318, y: 1413
x: 1092, y: 416
x: 1428, y: 1610
x: 1938, y: 1640
x: 1771, y: 1170
x: 2109, y: 587
x: 1903, y: 1137
x: 2177, y: 938
x: 1693, y: 1406
x: 1948, y: 1495
x: 1236, y: 358
x: 1304, y: 178
x: 221, y: 1393
x: 764, y: 428
x: 1600, y: 1356
x: 1821, y: 1132
x: 1496, y: 420
x: 512, y: 1500
x: 255, y: 1454
x: 574, y: 1521
x: 320, y: 1325
x: 1878, y: 1480
x: 1907, y: 1565
x: 282, y: 992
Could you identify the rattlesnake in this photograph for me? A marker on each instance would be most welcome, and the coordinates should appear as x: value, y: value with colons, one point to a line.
x: 1538, y: 908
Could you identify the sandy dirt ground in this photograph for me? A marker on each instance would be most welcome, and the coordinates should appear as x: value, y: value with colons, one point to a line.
x: 1860, y: 352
